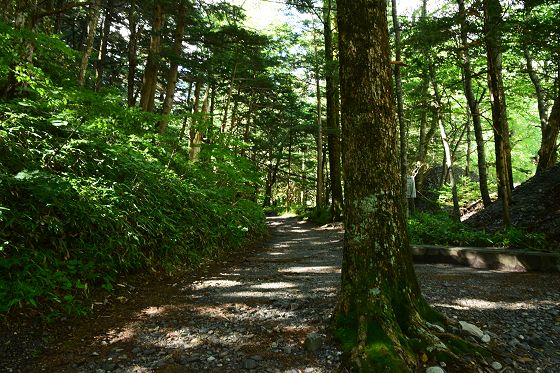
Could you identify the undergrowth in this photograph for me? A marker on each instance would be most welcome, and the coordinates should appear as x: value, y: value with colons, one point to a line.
x: 442, y: 229
x: 89, y: 192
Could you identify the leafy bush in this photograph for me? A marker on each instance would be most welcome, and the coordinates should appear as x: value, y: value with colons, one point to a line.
x: 441, y: 229
x: 88, y: 193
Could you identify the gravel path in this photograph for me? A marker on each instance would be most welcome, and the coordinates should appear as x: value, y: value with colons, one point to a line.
x: 268, y: 312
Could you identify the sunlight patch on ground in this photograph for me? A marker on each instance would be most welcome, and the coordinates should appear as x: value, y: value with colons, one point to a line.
x: 215, y: 284
x: 299, y: 230
x: 472, y: 303
x: 275, y: 285
x: 264, y: 294
x: 152, y: 311
x: 316, y: 269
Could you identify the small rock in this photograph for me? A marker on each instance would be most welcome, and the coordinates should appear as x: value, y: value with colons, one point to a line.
x: 211, y: 359
x: 496, y: 365
x: 313, y: 342
x: 249, y: 364
x: 471, y: 329
x: 485, y: 338
x: 435, y: 369
x: 308, y: 370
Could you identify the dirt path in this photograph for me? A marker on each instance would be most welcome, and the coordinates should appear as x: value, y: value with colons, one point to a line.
x: 254, y: 311
x: 251, y: 314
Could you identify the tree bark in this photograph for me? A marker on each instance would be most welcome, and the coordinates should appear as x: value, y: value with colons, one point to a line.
x: 92, y: 28
x: 132, y: 49
x: 196, y: 141
x: 474, y: 109
x: 380, y: 305
x: 100, y: 65
x: 333, y: 138
x: 399, y: 94
x: 173, y: 68
x: 492, y: 25
x: 447, y: 151
x: 319, y: 190
x: 149, y: 83
x: 549, y: 147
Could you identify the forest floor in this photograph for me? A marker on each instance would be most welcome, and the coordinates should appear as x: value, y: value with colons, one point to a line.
x: 254, y: 311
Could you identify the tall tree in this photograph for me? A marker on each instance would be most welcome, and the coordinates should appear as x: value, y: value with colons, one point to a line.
x: 493, y: 31
x: 152, y: 63
x: 380, y: 305
x: 319, y: 195
x: 173, y: 67
x: 102, y: 56
x: 399, y: 93
x: 94, y: 11
x: 333, y: 123
x: 132, y: 51
x: 473, y: 105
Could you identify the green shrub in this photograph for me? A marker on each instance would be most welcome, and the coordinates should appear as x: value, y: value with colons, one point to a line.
x: 442, y: 229
x: 87, y: 194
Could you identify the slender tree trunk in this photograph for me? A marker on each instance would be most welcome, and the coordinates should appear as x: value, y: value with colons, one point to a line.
x: 447, y: 151
x: 228, y: 99
x: 149, y: 83
x: 132, y: 51
x: 173, y: 68
x: 199, y: 133
x: 380, y: 305
x: 333, y: 138
x: 100, y: 65
x: 473, y: 107
x: 399, y: 94
x: 289, y: 181
x: 92, y: 28
x: 319, y: 193
x: 492, y: 23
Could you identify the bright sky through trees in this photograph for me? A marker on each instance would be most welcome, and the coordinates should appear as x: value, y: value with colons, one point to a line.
x: 264, y: 14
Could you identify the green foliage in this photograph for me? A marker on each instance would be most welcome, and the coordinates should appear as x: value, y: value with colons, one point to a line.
x: 441, y: 229
x: 87, y: 193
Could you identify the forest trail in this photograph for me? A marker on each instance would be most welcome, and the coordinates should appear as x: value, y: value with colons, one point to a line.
x: 254, y: 310
x: 250, y: 312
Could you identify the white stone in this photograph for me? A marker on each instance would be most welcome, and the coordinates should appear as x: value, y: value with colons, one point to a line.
x: 485, y: 338
x: 471, y: 329
x: 435, y: 369
x: 496, y: 365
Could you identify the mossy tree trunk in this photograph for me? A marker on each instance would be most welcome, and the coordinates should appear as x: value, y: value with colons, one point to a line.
x: 380, y: 310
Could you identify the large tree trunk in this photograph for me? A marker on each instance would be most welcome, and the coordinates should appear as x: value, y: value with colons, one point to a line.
x: 149, y: 83
x: 173, y: 68
x: 380, y: 305
x: 473, y: 107
x: 399, y: 94
x: 333, y: 138
x: 492, y: 24
x: 92, y: 28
